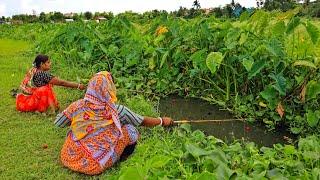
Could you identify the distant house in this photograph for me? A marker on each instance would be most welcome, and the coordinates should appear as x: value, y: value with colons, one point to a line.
x: 69, y: 15
x: 17, y: 22
x: 207, y: 10
x: 69, y: 20
x: 100, y: 18
x: 2, y: 22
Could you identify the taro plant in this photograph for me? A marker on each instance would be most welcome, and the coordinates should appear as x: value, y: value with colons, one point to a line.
x: 264, y: 66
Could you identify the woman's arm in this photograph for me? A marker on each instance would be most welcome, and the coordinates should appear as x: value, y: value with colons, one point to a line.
x: 127, y: 116
x: 150, y: 121
x: 61, y: 82
x: 62, y: 121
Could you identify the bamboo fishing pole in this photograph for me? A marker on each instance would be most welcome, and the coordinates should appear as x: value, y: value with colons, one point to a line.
x: 207, y: 120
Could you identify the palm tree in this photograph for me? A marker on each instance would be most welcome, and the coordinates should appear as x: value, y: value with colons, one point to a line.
x: 260, y: 3
x: 196, y: 4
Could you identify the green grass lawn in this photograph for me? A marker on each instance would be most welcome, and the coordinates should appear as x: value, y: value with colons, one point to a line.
x: 23, y: 135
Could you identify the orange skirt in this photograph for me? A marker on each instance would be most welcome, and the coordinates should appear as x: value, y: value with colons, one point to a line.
x: 98, y: 151
x: 40, y: 100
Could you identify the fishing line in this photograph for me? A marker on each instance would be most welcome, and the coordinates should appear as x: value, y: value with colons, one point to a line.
x: 207, y: 120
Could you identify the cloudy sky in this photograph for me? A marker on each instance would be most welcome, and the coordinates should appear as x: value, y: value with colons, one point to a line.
x: 11, y: 7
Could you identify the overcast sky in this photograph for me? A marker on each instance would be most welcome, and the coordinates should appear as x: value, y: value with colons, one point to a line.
x: 11, y: 7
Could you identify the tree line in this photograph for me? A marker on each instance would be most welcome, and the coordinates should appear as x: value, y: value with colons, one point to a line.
x: 231, y: 10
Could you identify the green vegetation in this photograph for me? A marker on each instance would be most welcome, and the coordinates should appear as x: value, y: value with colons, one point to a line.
x: 264, y: 67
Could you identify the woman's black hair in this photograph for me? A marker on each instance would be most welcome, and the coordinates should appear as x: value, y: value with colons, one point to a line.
x: 40, y: 59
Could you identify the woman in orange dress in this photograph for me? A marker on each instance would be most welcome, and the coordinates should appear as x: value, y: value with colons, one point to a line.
x: 37, y: 93
x: 99, y: 133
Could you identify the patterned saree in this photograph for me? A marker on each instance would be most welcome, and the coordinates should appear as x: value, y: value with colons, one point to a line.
x: 96, y: 139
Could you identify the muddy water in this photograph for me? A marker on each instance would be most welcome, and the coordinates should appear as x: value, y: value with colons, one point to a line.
x: 194, y: 109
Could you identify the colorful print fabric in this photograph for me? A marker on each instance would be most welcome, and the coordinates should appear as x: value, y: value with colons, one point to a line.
x: 97, y: 109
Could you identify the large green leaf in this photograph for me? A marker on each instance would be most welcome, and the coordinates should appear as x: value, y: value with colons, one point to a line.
x: 269, y: 94
x: 312, y: 118
x: 259, y: 20
x: 259, y: 50
x: 280, y: 83
x: 195, y: 151
x: 243, y: 38
x: 313, y: 32
x: 244, y: 16
x: 305, y: 63
x: 152, y: 63
x: 279, y: 28
x: 99, y: 34
x: 247, y: 63
x: 259, y: 167
x: 223, y: 172
x: 218, y: 155
x: 275, y: 47
x: 198, y: 58
x: 289, y: 150
x: 232, y: 37
x: 203, y: 176
x: 164, y: 58
x: 313, y: 89
x: 213, y: 61
x: 293, y: 23
x: 289, y: 14
x: 158, y: 161
x: 275, y: 173
x: 132, y: 174
x: 315, y: 173
x: 256, y: 68
x: 159, y: 39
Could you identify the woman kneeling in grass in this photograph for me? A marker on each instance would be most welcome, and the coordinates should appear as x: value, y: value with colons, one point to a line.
x: 37, y: 93
x: 101, y: 131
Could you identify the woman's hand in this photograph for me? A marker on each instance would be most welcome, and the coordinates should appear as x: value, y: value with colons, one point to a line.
x: 82, y: 87
x: 156, y: 121
x: 61, y: 82
x: 167, y: 121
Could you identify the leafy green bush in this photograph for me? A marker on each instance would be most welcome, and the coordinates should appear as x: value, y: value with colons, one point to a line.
x: 264, y: 67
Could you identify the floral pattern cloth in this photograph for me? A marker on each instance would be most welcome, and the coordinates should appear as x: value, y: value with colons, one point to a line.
x: 97, y: 109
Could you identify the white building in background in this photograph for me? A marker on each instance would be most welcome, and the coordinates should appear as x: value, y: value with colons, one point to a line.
x: 69, y: 20
x: 69, y: 15
x: 100, y: 18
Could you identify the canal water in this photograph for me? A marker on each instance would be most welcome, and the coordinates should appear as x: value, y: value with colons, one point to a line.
x: 195, y: 109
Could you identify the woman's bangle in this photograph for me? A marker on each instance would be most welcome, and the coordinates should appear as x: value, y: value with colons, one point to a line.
x: 161, y: 121
x: 78, y: 86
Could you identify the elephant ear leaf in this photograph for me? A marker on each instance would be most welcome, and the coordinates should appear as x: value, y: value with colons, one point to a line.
x: 312, y: 118
x: 293, y: 23
x: 213, y: 61
x: 280, y: 83
x: 313, y: 32
x: 256, y: 68
x: 313, y: 89
x: 305, y: 64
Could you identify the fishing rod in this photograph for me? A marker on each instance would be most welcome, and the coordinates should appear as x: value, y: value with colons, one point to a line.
x: 207, y: 120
